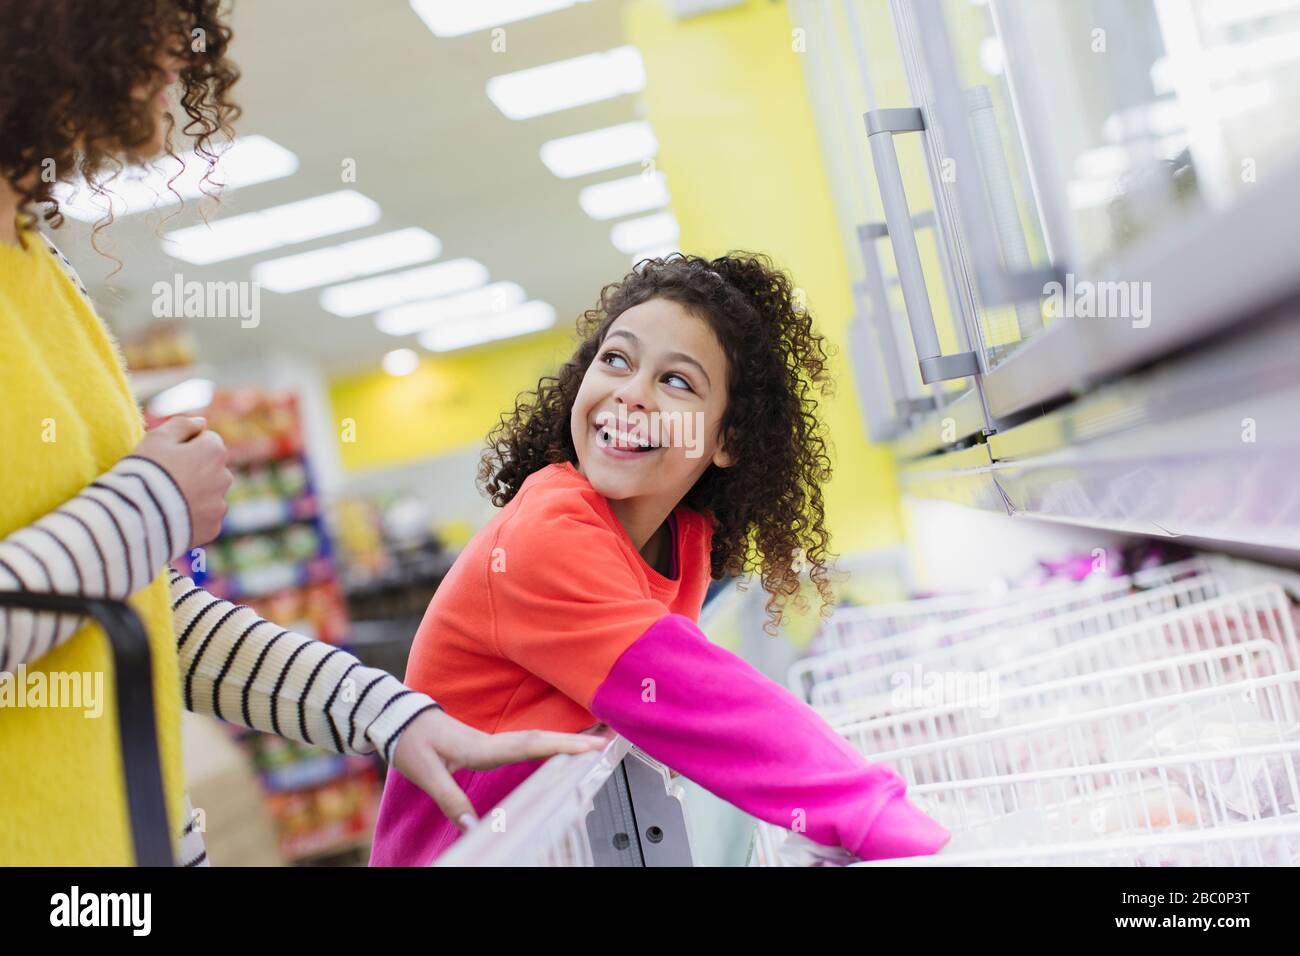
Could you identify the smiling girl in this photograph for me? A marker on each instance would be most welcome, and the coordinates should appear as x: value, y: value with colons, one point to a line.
x: 577, y: 602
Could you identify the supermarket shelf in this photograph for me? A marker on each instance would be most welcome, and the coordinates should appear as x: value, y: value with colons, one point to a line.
x: 266, y: 452
x: 262, y: 514
x: 331, y: 841
x: 149, y: 383
x: 269, y: 578
x: 302, y: 774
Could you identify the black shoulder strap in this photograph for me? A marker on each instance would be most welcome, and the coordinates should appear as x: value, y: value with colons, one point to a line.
x: 67, y: 267
x: 137, y: 730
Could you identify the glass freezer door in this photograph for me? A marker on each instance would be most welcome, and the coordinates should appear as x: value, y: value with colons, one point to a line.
x: 988, y: 200
x: 1071, y: 132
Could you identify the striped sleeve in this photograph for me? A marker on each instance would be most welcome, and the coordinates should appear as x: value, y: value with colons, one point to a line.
x: 109, y: 541
x: 242, y: 668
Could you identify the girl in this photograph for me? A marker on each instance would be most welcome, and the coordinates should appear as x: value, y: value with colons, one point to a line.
x: 577, y: 602
x: 92, y: 506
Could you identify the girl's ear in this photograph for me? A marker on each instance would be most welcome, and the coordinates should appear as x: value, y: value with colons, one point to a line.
x: 722, y: 458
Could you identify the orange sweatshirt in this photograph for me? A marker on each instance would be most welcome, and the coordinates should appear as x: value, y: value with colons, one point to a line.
x: 552, y: 620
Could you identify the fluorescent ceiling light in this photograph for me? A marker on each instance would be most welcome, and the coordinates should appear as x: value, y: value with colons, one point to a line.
x: 622, y: 197
x: 349, y: 260
x: 645, y: 233
x: 475, y: 330
x: 568, y: 83
x: 453, y: 18
x: 383, y: 292
x: 244, y: 161
x: 400, y: 362
x: 600, y: 149
x: 417, y: 316
x: 191, y: 395
x: 271, y: 228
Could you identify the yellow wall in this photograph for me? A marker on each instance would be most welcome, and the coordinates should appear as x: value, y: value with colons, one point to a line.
x: 449, y: 403
x: 727, y: 97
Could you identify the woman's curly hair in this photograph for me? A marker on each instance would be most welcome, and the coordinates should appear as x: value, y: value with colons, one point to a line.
x: 71, y: 69
x: 768, y: 505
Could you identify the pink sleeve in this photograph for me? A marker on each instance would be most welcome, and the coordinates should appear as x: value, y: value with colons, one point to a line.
x: 710, y: 716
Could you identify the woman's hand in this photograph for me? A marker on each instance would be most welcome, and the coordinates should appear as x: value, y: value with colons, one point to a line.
x: 436, y: 745
x: 195, y: 457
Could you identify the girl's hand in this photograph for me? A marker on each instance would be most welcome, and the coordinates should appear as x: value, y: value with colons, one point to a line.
x: 435, y: 745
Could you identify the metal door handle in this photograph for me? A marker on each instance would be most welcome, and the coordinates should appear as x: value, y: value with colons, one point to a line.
x: 881, y: 125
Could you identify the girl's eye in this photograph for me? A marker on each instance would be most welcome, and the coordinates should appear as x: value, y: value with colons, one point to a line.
x: 674, y: 377
x: 614, y: 358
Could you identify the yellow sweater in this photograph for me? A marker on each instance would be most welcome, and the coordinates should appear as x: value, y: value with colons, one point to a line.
x: 66, y: 417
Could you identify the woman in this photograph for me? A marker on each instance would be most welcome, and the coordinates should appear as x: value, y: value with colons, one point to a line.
x: 89, y: 504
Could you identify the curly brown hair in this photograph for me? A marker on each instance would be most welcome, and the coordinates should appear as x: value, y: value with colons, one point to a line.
x: 768, y: 505
x: 71, y: 69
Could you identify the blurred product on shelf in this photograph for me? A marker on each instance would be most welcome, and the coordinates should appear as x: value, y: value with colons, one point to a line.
x: 258, y: 425
x: 323, y: 803
x: 392, y: 558
x: 159, y: 345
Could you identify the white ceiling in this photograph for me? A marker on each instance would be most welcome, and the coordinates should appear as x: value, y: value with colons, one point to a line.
x: 339, y: 79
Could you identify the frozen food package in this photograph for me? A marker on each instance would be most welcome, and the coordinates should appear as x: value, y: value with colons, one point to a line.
x: 1242, y: 784
x: 1131, y: 807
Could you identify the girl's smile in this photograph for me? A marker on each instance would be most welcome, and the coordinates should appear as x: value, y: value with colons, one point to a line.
x: 658, y: 367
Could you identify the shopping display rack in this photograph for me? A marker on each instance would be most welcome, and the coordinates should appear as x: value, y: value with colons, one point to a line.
x: 853, y: 626
x: 864, y: 646
x: 849, y: 626
x: 1154, y: 727
x: 1245, y: 630
x: 990, y: 642
x: 615, y: 807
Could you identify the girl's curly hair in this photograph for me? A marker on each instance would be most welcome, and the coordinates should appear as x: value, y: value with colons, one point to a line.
x: 768, y: 505
x: 71, y: 68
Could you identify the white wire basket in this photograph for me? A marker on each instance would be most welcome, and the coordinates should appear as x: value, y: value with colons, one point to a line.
x: 858, y: 625
x: 1248, y: 634
x: 1147, y: 781
x: 855, y: 626
x: 1221, y: 756
x: 1157, y: 728
x: 1012, y: 705
x: 1239, y: 714
x: 542, y: 822
x: 849, y: 681
x: 1249, y: 844
x: 1197, y: 791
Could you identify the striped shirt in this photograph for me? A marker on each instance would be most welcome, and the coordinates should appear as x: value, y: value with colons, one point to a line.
x: 110, y: 541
